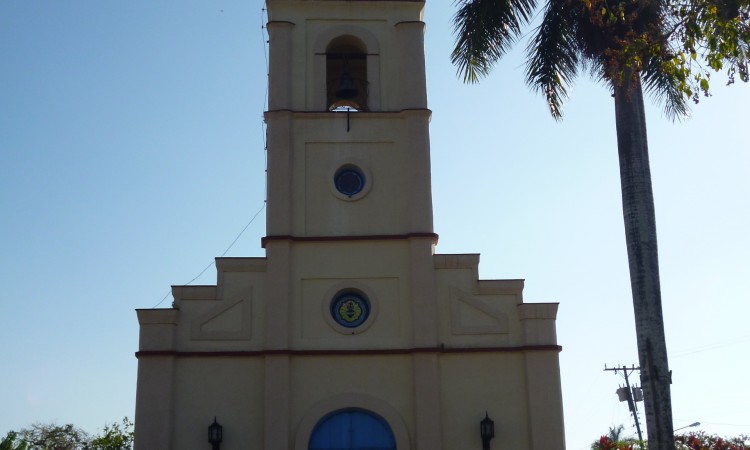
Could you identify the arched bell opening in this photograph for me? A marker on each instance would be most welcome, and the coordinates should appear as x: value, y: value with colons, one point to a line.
x: 346, y: 74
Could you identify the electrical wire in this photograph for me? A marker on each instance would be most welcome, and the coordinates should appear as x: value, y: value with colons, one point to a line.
x: 265, y: 38
x: 222, y: 255
x: 720, y: 344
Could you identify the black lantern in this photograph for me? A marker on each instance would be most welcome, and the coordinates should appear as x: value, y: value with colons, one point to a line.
x: 487, y: 431
x: 215, y: 435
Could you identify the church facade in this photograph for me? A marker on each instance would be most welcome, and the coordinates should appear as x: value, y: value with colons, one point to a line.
x: 351, y: 333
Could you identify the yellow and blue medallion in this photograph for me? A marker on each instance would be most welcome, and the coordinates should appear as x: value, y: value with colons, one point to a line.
x: 350, y: 310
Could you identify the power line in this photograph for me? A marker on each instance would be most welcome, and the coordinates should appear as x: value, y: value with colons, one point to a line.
x: 214, y: 262
x: 264, y: 38
x: 725, y: 343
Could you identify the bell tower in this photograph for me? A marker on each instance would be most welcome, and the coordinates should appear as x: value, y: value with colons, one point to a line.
x: 351, y: 333
x: 365, y: 169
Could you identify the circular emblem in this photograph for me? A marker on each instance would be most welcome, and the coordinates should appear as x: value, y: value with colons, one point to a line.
x: 350, y: 310
x: 349, y: 181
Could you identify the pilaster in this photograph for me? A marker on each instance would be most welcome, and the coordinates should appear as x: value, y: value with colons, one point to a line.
x: 543, y: 384
x: 276, y: 433
x: 278, y: 295
x: 411, y: 85
x: 279, y: 62
x: 279, y: 176
x: 155, y: 389
x: 420, y: 194
x: 427, y: 401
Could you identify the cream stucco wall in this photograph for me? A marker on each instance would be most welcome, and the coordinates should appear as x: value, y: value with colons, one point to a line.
x: 260, y: 349
x: 493, y: 353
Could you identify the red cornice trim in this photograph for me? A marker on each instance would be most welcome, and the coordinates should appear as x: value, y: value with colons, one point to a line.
x: 325, y: 111
x: 394, y: 351
x: 373, y: 237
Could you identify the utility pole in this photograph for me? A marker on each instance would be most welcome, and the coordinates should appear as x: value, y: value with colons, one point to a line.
x: 631, y: 394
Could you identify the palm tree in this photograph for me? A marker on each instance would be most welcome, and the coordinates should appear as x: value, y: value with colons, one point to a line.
x: 623, y: 43
x: 615, y: 433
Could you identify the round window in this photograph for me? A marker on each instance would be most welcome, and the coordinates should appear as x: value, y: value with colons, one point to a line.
x: 349, y: 181
x: 350, y: 309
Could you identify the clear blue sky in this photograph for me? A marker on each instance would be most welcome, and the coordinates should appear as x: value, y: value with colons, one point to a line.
x: 131, y: 154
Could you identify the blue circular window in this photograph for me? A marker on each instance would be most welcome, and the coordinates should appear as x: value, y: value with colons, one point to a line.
x: 350, y: 309
x: 349, y: 180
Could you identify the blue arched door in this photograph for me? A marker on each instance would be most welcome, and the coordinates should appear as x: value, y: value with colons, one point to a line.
x: 352, y: 429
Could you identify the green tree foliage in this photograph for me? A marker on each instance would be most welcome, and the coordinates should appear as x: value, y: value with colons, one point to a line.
x: 708, y: 35
x: 54, y: 437
x: 673, y: 45
x: 9, y: 442
x: 615, y: 433
x: 115, y: 436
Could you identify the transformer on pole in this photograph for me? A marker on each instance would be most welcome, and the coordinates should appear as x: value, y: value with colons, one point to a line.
x: 630, y: 394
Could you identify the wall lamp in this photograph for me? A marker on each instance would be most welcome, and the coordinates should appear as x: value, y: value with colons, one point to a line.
x: 215, y: 435
x: 487, y: 431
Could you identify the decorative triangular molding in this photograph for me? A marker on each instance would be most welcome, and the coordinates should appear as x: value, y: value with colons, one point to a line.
x: 460, y: 323
x: 200, y: 327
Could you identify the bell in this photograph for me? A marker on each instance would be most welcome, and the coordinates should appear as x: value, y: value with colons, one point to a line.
x: 346, y: 88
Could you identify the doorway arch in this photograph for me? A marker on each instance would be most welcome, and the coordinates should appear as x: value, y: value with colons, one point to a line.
x: 352, y: 429
x: 322, y: 410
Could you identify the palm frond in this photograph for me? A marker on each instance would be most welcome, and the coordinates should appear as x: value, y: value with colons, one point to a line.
x: 664, y: 88
x: 485, y: 30
x: 553, y: 57
x: 595, y: 69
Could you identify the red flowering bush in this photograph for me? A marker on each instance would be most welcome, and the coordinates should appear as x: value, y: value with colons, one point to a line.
x: 702, y: 441
x: 605, y: 443
x: 691, y: 441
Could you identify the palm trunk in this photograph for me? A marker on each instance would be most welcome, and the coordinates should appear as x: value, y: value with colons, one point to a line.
x: 640, y: 236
